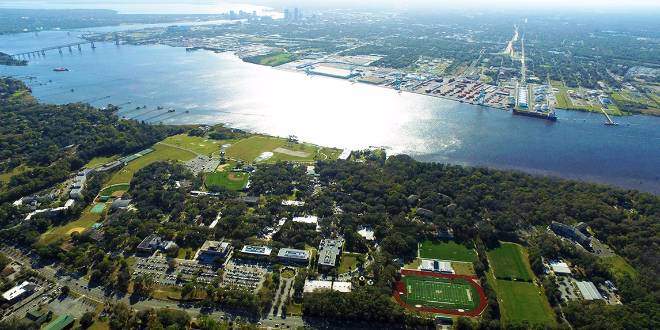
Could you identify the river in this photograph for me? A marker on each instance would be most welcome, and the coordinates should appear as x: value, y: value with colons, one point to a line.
x: 220, y: 88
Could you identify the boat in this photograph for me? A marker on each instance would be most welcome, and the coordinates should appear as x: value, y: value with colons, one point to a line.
x: 171, y: 110
x: 536, y: 114
x: 60, y: 69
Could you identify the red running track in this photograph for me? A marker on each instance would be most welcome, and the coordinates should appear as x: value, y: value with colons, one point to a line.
x: 401, y: 288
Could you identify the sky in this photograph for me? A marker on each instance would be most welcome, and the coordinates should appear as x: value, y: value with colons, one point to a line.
x: 218, y: 6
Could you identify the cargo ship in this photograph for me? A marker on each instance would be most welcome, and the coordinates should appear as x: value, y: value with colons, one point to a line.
x: 549, y: 115
x: 61, y: 69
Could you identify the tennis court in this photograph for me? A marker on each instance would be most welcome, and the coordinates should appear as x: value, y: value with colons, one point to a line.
x: 98, y: 208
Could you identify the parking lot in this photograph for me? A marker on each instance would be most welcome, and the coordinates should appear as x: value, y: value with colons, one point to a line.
x: 202, y: 164
x: 158, y: 268
x: 245, y: 274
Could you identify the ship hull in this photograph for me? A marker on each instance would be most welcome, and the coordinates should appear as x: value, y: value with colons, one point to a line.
x: 542, y: 115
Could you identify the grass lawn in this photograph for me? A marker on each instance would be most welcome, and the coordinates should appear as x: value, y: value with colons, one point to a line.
x: 619, y: 267
x: 522, y: 301
x: 86, y: 220
x: 197, y: 144
x: 348, y: 262
x: 564, y: 102
x: 509, y: 261
x: 6, y: 176
x: 288, y: 273
x: 98, y: 161
x: 110, y: 190
x: 275, y: 59
x: 161, y: 152
x: 413, y: 264
x: 463, y: 268
x: 100, y: 325
x: 294, y: 309
x: 250, y: 148
x: 227, y: 179
x: 181, y: 254
x: 448, y: 250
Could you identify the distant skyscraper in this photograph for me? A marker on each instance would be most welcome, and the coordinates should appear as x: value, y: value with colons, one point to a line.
x: 287, y: 15
x: 297, y: 14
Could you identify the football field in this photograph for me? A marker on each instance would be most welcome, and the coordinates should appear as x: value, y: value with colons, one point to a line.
x: 440, y: 293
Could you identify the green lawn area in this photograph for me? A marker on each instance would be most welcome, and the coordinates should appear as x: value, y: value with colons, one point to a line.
x: 509, y: 261
x: 100, y: 325
x: 250, y: 148
x: 161, y: 152
x: 463, y: 268
x: 227, y: 179
x: 98, y: 161
x: 108, y: 191
x: 6, y: 176
x: 86, y: 220
x: 413, y: 264
x: 619, y: 267
x: 446, y: 250
x: 181, y: 254
x: 294, y: 309
x: 348, y: 262
x: 197, y: 144
x: 522, y: 301
x: 288, y: 273
x: 274, y: 59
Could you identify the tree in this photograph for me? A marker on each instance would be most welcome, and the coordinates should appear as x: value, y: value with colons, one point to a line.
x: 87, y: 320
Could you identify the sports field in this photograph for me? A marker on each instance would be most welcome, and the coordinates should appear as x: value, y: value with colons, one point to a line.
x: 440, y: 293
x: 228, y: 180
x: 161, y: 152
x: 115, y: 190
x: 509, y: 261
x: 98, y: 208
x: 449, y: 250
x: 197, y: 144
x: 522, y: 301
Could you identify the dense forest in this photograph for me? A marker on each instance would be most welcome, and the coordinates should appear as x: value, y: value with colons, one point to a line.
x: 53, y: 140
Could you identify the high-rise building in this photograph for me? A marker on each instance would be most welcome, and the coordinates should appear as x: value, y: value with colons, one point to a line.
x: 287, y: 15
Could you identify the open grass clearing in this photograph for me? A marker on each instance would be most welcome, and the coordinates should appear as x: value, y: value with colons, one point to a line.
x: 6, y: 176
x: 227, y: 179
x: 86, y: 220
x: 250, y: 148
x: 114, y: 189
x: 522, y: 302
x: 463, y: 268
x: 619, y: 267
x: 197, y: 144
x: 160, y: 153
x: 98, y: 161
x: 348, y: 262
x: 509, y: 261
x: 446, y: 250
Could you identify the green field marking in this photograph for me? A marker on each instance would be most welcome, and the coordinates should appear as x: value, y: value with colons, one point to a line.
x: 440, y: 293
x: 509, y: 261
x: 272, y: 59
x: 522, y: 301
x: 449, y: 250
x: 160, y: 153
x: 98, y: 208
x: 197, y: 144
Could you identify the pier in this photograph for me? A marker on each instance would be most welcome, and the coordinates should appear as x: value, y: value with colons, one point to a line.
x: 609, y: 121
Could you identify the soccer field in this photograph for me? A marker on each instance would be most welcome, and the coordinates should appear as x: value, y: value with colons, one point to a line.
x: 440, y: 293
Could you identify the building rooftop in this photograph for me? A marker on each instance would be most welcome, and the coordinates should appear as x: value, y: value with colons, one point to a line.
x: 257, y: 250
x: 60, y: 323
x: 293, y: 254
x: 560, y: 267
x: 588, y: 290
x: 313, y: 285
x: 18, y: 290
x: 329, y: 251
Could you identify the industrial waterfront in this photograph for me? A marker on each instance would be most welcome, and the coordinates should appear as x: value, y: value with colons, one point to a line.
x: 205, y: 88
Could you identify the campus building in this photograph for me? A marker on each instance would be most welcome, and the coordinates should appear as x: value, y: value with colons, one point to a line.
x: 313, y: 285
x: 588, y: 290
x: 19, y: 292
x: 153, y: 243
x: 256, y: 251
x: 211, y: 250
x: 571, y: 233
x: 295, y: 256
x: 436, y: 266
x: 330, y: 253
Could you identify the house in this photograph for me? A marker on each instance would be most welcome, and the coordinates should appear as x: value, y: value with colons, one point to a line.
x: 329, y: 253
x: 294, y: 256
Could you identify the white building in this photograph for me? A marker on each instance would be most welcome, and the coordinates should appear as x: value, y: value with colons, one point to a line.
x: 19, y: 292
x: 313, y: 285
x: 437, y: 266
x: 560, y: 268
x: 588, y: 290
